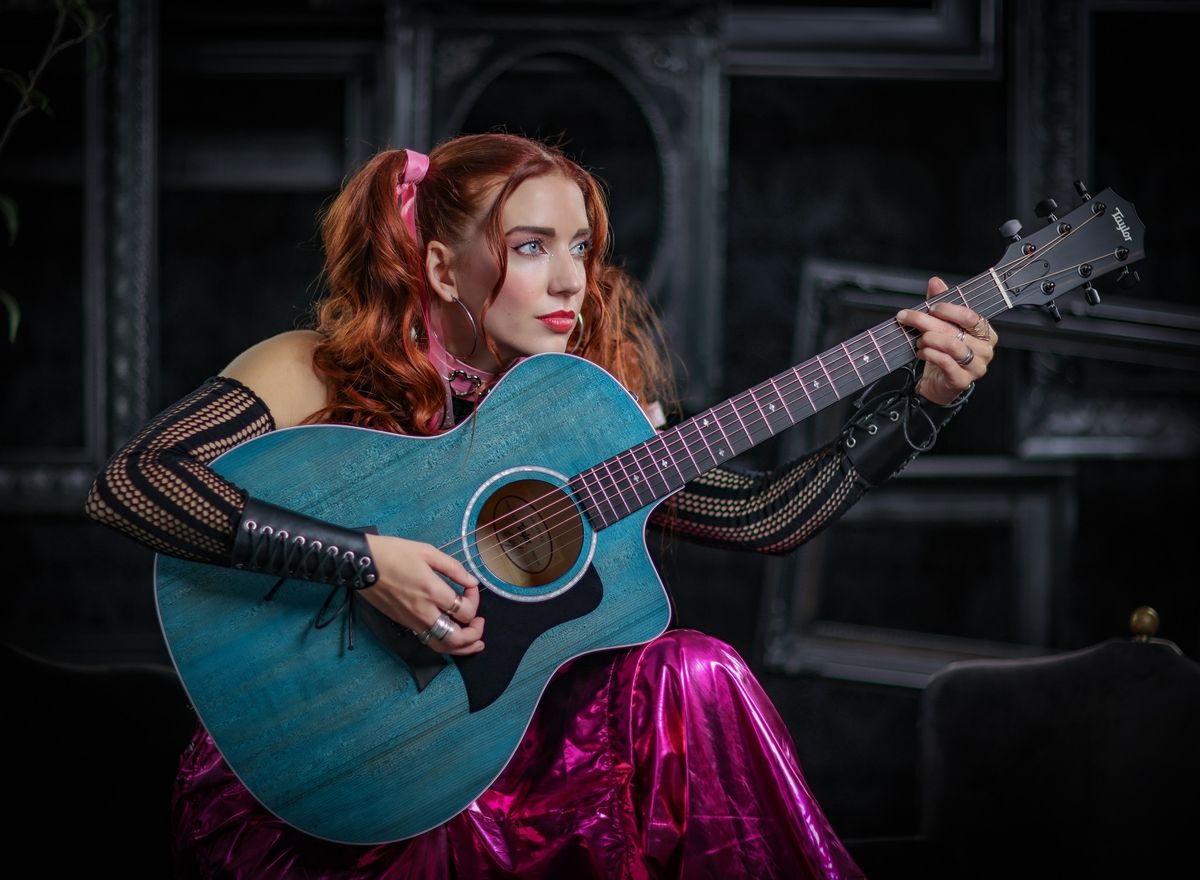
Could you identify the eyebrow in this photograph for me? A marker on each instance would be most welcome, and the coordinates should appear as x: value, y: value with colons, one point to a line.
x: 546, y: 231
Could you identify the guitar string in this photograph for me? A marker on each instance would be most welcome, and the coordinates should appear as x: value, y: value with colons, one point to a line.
x: 569, y: 506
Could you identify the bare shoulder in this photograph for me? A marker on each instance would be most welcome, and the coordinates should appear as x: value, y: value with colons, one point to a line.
x: 280, y: 371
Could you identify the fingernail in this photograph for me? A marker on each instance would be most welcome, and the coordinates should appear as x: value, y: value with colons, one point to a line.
x: 902, y: 314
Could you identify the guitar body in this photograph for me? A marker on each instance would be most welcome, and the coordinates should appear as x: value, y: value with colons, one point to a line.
x: 344, y: 744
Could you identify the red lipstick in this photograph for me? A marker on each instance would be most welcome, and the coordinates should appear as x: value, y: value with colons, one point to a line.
x: 562, y: 321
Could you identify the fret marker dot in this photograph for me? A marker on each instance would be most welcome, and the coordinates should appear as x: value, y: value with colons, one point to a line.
x: 636, y: 478
x: 866, y: 357
x: 664, y: 462
x: 817, y: 383
x: 721, y: 451
x: 770, y: 407
x: 705, y: 423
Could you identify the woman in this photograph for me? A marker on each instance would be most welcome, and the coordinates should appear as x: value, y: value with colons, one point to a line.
x: 661, y: 760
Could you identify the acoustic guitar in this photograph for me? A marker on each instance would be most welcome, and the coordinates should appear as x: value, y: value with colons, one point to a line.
x: 338, y: 720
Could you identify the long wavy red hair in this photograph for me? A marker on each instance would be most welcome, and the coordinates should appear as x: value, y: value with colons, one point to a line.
x: 373, y: 344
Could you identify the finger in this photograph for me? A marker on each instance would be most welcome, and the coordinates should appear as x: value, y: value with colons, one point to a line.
x: 953, y: 313
x: 934, y: 322
x: 953, y: 376
x: 956, y: 345
x: 934, y: 287
x: 462, y: 606
x: 450, y: 567
x: 461, y: 640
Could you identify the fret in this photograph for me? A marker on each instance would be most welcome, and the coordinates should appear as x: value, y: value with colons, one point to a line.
x: 617, y: 489
x: 636, y: 479
x: 580, y: 486
x: 749, y: 437
x: 597, y: 480
x: 766, y: 418
x: 701, y: 422
x: 791, y: 418
x: 875, y: 342
x: 661, y: 461
x: 800, y: 379
x: 687, y: 447
x: 726, y: 450
x: 828, y: 380
x: 850, y: 358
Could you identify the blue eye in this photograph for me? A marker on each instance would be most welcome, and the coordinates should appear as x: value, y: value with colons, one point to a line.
x: 530, y: 248
x: 581, y: 248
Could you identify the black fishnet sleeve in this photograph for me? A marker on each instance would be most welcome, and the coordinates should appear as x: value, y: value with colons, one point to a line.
x: 776, y: 511
x: 159, y: 489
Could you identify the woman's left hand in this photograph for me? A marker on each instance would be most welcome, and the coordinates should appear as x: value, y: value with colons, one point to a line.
x: 955, y: 342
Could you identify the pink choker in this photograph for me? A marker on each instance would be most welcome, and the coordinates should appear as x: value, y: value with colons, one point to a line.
x: 465, y: 381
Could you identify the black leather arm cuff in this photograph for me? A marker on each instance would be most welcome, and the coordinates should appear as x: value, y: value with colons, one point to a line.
x: 281, y: 542
x: 892, y: 428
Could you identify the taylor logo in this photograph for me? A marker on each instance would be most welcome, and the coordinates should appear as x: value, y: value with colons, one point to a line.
x: 1121, y: 227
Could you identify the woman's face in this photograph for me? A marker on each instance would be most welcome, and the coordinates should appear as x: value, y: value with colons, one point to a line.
x: 547, y: 237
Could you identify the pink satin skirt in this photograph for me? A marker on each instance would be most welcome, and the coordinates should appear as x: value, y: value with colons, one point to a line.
x: 664, y: 760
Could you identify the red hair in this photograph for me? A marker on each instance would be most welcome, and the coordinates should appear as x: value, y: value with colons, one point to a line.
x: 373, y: 347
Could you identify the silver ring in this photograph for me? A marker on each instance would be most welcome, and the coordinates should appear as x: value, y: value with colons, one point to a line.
x: 968, y: 357
x: 961, y: 333
x: 453, y: 609
x: 423, y: 637
x: 441, y: 628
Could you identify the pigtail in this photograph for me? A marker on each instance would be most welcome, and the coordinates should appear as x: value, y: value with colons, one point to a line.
x: 372, y: 351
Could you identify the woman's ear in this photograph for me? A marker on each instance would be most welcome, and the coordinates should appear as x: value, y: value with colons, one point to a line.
x: 439, y: 270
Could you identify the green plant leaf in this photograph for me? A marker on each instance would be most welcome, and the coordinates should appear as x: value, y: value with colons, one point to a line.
x: 8, y: 210
x: 14, y: 314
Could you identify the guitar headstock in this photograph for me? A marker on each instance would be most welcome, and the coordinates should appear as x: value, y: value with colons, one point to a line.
x: 1103, y: 235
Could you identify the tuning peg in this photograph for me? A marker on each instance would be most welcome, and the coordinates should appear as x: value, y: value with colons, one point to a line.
x: 1045, y: 209
x: 1081, y: 188
x: 1011, y: 230
x: 1052, y: 308
x: 1091, y: 294
x: 1128, y: 278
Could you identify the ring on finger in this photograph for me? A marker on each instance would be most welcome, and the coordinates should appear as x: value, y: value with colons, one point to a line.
x: 981, y: 329
x: 961, y: 334
x: 441, y: 628
x: 453, y: 609
x: 423, y: 637
x: 966, y: 358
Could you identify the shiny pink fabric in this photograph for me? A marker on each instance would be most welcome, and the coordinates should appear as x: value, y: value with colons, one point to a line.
x: 665, y: 760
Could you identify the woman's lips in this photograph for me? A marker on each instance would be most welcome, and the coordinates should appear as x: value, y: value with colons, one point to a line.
x: 559, y: 322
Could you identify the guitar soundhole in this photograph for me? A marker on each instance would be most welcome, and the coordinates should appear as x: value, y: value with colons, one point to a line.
x: 530, y: 533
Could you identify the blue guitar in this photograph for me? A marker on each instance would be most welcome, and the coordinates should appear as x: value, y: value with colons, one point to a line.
x: 544, y: 494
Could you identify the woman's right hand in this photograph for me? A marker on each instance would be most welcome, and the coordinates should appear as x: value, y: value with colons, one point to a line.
x: 411, y: 591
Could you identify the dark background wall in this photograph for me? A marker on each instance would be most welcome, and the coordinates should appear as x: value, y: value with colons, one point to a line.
x: 781, y: 175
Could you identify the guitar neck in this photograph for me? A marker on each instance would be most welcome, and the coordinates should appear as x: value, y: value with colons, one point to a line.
x: 662, y: 465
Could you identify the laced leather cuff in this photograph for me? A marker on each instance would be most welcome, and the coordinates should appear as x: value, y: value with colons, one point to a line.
x: 892, y: 427
x: 281, y: 542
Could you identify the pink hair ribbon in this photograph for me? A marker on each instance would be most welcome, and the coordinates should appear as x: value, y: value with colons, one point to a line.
x: 406, y: 190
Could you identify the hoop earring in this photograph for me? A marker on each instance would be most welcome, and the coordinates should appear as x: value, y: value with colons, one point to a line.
x: 579, y: 342
x: 474, y: 330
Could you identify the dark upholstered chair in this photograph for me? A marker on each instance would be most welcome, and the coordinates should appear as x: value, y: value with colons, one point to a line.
x: 1084, y: 764
x: 91, y: 755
